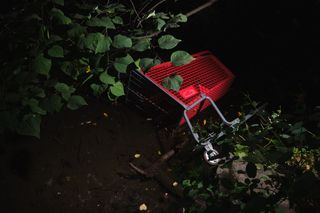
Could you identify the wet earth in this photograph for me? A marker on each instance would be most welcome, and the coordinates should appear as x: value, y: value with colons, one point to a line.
x: 81, y: 164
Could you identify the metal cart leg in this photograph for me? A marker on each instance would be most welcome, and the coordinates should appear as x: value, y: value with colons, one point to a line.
x: 210, y: 153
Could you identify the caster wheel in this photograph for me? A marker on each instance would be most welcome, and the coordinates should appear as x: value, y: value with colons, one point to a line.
x: 209, y: 157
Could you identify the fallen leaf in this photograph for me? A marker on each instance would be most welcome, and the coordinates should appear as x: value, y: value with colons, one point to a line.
x: 105, y: 114
x: 143, y: 207
x: 137, y: 155
x: 175, y: 184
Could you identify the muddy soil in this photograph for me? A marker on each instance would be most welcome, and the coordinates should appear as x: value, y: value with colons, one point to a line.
x: 81, y: 164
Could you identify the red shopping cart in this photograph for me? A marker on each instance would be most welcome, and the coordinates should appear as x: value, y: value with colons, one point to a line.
x: 205, y: 80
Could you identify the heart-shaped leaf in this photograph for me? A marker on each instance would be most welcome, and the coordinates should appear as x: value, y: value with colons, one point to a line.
x: 117, y: 20
x: 42, y: 65
x: 30, y: 125
x: 168, y: 42
x: 142, y: 45
x: 76, y: 31
x: 101, y: 22
x: 121, y: 64
x: 75, y: 102
x: 65, y: 90
x: 180, y: 57
x: 60, y: 17
x: 56, y: 51
x: 52, y: 104
x: 117, y: 89
x: 106, y: 78
x: 96, y: 42
x: 121, y: 41
x: 172, y: 82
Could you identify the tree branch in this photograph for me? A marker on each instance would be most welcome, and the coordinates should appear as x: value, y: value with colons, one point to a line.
x: 188, y: 14
x: 201, y: 7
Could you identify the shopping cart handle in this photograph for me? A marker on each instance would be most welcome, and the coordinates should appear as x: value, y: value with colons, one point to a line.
x: 204, y: 97
x: 224, y: 120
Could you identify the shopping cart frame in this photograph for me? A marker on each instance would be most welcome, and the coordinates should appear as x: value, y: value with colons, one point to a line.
x: 140, y: 83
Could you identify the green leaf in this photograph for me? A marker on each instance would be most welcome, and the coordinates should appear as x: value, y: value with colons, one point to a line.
x: 172, y: 82
x: 107, y: 79
x: 101, y: 22
x: 58, y: 15
x: 117, y: 20
x: 75, y: 102
x: 241, y: 151
x: 160, y: 24
x: 65, y: 90
x: 117, y: 89
x: 34, y: 106
x: 181, y: 18
x: 142, y: 45
x: 76, y: 31
x: 42, y: 65
x: 168, y: 42
x: 179, y: 58
x: 162, y: 15
x: 69, y: 69
x: 30, y: 125
x: 56, y: 51
x: 98, y: 89
x: 121, y: 41
x: 147, y: 63
x: 38, y: 92
x: 52, y: 104
x: 59, y: 2
x: 121, y: 64
x: 96, y: 42
x: 297, y: 128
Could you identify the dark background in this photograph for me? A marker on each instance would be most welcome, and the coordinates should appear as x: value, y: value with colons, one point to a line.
x: 271, y: 46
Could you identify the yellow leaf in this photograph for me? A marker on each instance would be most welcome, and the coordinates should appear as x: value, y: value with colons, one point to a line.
x: 204, y: 122
x: 137, y: 155
x: 143, y: 207
x: 175, y: 184
x: 88, y: 69
x: 105, y: 114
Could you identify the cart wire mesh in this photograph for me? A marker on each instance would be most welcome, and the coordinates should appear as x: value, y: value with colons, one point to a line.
x: 204, y: 75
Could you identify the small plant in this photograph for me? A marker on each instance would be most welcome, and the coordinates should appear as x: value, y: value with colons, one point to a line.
x: 269, y: 160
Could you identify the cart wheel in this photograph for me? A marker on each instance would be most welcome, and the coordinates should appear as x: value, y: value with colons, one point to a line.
x: 209, y: 157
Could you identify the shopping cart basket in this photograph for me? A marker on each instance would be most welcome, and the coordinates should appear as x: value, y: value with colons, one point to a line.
x: 205, y: 80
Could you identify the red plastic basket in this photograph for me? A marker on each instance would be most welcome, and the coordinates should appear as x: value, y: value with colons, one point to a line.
x: 204, y: 75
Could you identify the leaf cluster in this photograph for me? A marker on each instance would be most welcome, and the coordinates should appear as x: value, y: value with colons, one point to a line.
x: 54, y: 53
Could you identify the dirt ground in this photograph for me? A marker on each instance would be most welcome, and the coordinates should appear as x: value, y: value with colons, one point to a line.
x: 81, y: 164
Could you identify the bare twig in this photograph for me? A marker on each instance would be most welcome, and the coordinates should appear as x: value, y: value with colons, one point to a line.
x: 134, y: 8
x: 144, y: 6
x: 156, y: 5
x: 201, y: 7
x: 138, y: 170
x: 147, y: 36
x: 190, y: 13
